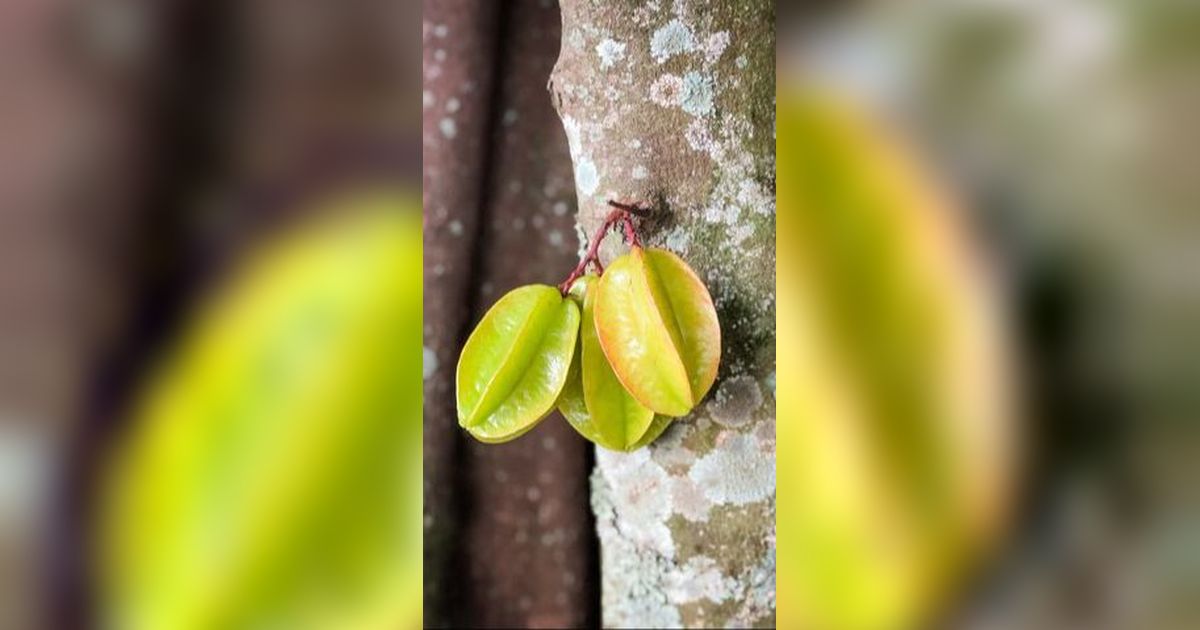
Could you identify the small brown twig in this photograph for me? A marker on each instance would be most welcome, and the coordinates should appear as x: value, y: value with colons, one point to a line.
x: 634, y: 209
x: 622, y: 215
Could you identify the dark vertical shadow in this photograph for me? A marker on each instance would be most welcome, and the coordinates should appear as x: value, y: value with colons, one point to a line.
x: 456, y: 609
x: 183, y: 105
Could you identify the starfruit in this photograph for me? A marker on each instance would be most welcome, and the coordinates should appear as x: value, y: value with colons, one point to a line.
x: 657, y: 426
x: 270, y: 476
x: 893, y: 397
x: 571, y: 405
x: 594, y: 401
x: 515, y: 363
x: 657, y: 325
x: 574, y: 409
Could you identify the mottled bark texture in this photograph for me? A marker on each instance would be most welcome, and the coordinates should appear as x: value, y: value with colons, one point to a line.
x: 508, y: 531
x: 673, y: 103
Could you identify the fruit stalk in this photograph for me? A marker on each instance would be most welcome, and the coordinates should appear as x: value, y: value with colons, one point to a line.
x: 622, y: 214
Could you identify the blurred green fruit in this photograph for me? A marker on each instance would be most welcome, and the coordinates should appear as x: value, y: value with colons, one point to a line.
x: 271, y: 474
x: 894, y: 400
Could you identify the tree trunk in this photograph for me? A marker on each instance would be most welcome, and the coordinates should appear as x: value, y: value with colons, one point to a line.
x: 672, y: 103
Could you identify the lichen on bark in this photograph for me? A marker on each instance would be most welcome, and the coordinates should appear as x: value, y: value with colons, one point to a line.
x: 672, y: 103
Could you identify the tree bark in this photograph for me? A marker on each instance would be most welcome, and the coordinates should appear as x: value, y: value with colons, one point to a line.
x: 672, y: 103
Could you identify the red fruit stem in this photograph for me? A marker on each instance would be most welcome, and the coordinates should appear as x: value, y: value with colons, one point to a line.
x: 622, y: 214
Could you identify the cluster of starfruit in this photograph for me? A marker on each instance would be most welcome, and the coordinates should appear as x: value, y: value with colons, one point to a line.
x: 619, y: 354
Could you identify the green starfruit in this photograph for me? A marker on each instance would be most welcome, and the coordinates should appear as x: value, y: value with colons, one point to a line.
x: 270, y: 473
x: 571, y: 406
x: 594, y: 401
x: 896, y: 399
x: 515, y: 363
x: 658, y: 327
x: 656, y: 429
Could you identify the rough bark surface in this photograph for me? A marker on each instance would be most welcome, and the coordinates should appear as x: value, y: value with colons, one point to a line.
x: 673, y: 103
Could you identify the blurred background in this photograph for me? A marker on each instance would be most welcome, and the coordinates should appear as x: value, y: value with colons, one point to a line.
x: 153, y: 152
x: 1065, y: 132
x: 151, y: 149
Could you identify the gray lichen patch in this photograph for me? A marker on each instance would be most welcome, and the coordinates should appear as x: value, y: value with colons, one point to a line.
x: 689, y: 500
x: 757, y: 606
x: 669, y: 450
x: 696, y: 96
x: 587, y: 179
x: 700, y: 580
x: 611, y: 52
x: 674, y: 38
x: 738, y: 471
x: 641, y: 498
x: 736, y: 401
x: 667, y: 90
x: 641, y: 601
